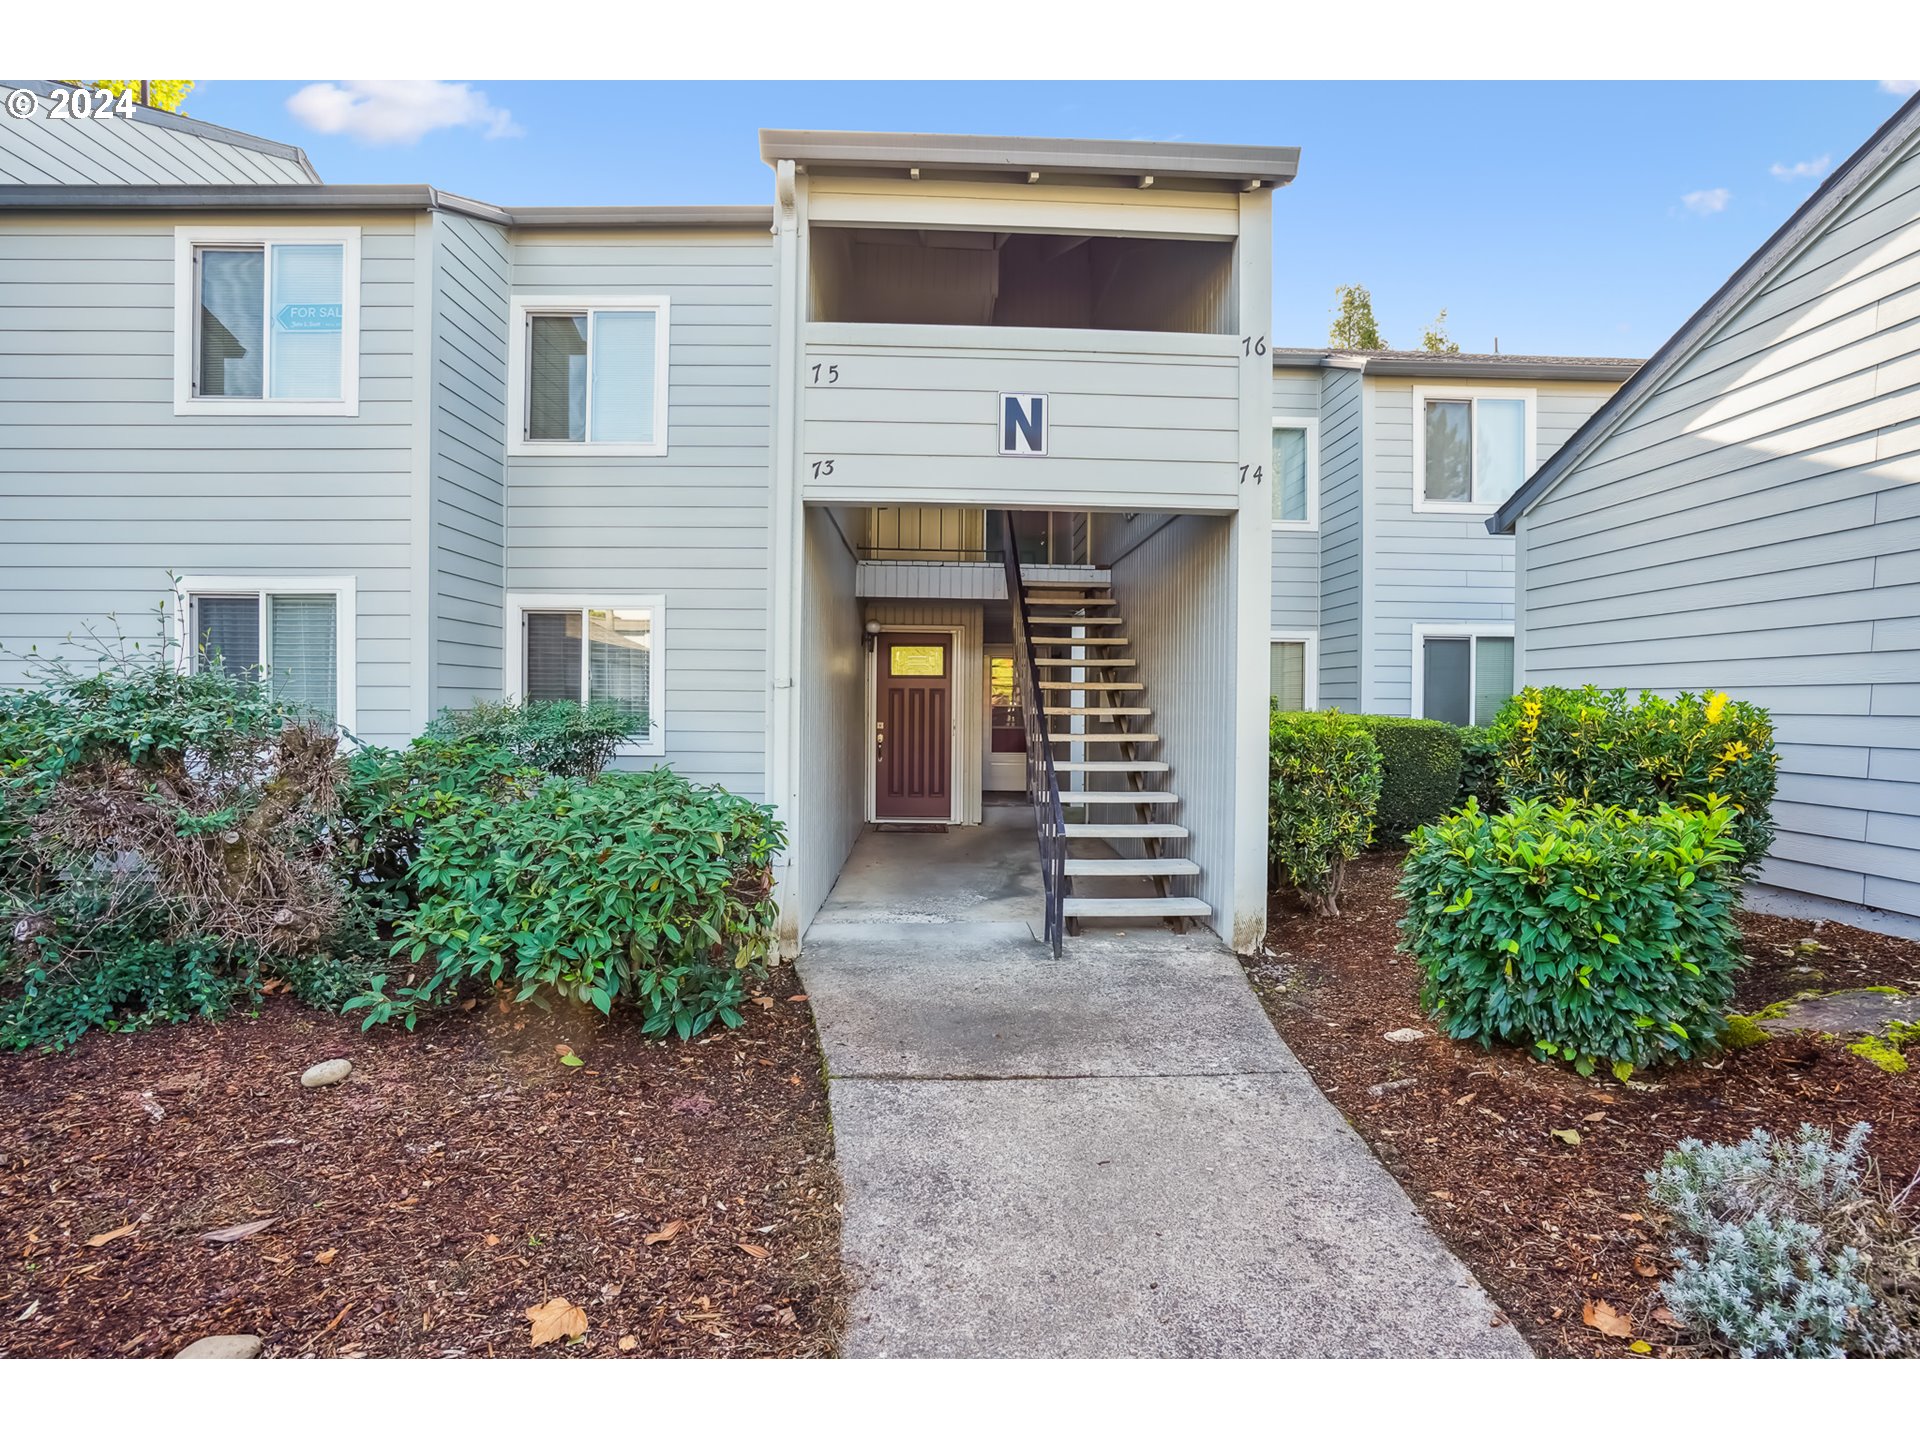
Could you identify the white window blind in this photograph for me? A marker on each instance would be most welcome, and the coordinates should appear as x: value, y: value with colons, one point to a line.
x: 306, y: 320
x: 227, y: 633
x: 1288, y: 660
x: 232, y: 325
x: 1290, y: 475
x: 590, y: 654
x: 622, y: 367
x: 302, y: 651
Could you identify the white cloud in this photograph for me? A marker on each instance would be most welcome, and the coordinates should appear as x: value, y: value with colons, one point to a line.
x: 398, y: 112
x: 1900, y: 87
x: 1707, y: 202
x: 1802, y: 169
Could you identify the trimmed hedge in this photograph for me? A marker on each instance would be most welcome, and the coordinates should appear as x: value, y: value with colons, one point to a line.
x: 1323, y: 786
x: 1419, y: 773
x: 1479, y: 769
x: 1597, y: 935
x: 1601, y: 748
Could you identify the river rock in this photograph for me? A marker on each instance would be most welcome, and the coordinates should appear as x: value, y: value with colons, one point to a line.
x: 225, y: 1347
x: 1406, y: 1036
x: 1845, y: 1012
x: 327, y: 1072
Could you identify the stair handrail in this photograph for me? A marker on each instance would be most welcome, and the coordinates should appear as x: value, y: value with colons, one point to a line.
x: 1043, y: 779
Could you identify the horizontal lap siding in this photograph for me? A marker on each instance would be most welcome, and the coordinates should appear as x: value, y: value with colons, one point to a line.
x: 1753, y: 526
x: 913, y: 418
x: 472, y: 276
x: 691, y: 525
x: 116, y: 151
x: 1296, y: 555
x: 1437, y: 568
x: 1343, y: 557
x: 104, y: 490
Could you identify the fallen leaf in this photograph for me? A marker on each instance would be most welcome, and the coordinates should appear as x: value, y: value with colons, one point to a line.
x: 665, y: 1233
x: 758, y: 1252
x: 628, y: 1342
x: 563, y: 1051
x: 490, y: 1241
x: 795, y: 999
x: 1441, y: 1194
x: 1643, y: 1266
x: 1571, y: 1137
x: 765, y: 1002
x: 558, y: 1319
x: 1595, y: 1118
x: 1631, y: 1216
x: 236, y: 1232
x: 1467, y: 1098
x: 1664, y: 1316
x: 97, y: 1241
x: 1607, y: 1320
x: 1640, y: 1347
x: 325, y: 1257
x: 334, y: 1324
x: 405, y: 1204
x: 28, y: 1313
x: 571, y: 1059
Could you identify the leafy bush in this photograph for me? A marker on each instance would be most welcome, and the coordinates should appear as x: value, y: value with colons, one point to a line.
x: 561, y: 737
x: 1597, y: 935
x: 390, y: 796
x: 1322, y: 790
x: 1479, y: 770
x: 1786, y: 1233
x: 1419, y: 772
x: 1599, y: 747
x: 162, y: 835
x: 640, y: 888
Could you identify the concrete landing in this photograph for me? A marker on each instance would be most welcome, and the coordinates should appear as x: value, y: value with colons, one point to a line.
x: 1110, y: 1154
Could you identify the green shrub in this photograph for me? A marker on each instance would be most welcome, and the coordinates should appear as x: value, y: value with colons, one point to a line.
x: 1479, y: 770
x: 561, y: 737
x: 389, y: 796
x: 639, y: 888
x: 1598, y: 936
x: 1419, y: 773
x: 1322, y: 790
x: 127, y: 982
x: 1602, y: 748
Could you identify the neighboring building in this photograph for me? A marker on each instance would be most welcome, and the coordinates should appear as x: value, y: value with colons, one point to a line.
x: 750, y: 471
x: 153, y: 147
x: 1745, y: 516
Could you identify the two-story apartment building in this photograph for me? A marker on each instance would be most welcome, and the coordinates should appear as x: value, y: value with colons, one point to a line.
x: 754, y: 473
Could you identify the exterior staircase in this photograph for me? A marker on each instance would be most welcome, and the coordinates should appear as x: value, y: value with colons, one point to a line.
x: 1085, y: 671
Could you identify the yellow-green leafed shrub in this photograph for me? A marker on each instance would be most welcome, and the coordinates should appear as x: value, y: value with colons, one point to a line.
x: 1599, y: 936
x: 1602, y: 748
x: 1323, y: 787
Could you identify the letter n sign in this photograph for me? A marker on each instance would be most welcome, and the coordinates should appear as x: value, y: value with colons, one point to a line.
x: 1023, y: 424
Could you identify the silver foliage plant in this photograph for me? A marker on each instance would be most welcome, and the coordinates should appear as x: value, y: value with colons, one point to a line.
x: 1778, y: 1273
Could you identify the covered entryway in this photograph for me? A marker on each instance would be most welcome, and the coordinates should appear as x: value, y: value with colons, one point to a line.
x: 913, y: 726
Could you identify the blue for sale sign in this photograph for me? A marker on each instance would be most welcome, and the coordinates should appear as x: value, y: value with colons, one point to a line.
x: 309, y: 319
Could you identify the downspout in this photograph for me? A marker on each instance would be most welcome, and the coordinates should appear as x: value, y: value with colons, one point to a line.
x: 785, y: 596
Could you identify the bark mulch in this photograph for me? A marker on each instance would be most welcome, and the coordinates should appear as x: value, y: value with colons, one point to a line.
x: 683, y: 1195
x: 1551, y: 1227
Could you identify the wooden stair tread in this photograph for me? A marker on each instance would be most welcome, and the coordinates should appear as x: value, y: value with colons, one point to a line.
x: 1078, y: 620
x: 1086, y: 662
x: 1091, y: 685
x: 1118, y: 797
x: 1119, y: 830
x: 1110, y: 767
x: 1167, y: 866
x: 1102, y: 737
x: 1095, y: 710
x: 1070, y: 602
x: 1146, y: 905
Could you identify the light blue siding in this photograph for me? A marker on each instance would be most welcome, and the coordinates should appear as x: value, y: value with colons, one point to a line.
x: 1752, y: 525
x: 1296, y: 554
x: 104, y: 490
x: 1342, y: 551
x: 690, y: 525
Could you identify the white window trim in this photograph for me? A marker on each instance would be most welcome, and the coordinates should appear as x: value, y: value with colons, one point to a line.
x: 186, y: 318
x: 526, y: 306
x: 186, y: 588
x: 1310, y: 424
x: 1310, y: 694
x: 514, y: 657
x: 1422, y: 394
x: 1463, y: 630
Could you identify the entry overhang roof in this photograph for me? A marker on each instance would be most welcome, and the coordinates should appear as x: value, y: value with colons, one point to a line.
x: 1239, y: 165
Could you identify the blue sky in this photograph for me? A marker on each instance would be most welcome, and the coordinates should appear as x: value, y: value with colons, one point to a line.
x: 1562, y: 218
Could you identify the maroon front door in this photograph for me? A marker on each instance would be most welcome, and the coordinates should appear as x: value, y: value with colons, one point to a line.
x: 913, y: 727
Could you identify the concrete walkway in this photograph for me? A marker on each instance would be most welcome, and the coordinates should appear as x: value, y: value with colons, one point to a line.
x: 1109, y: 1154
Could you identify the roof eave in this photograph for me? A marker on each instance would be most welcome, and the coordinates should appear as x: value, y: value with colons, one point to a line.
x: 1229, y: 164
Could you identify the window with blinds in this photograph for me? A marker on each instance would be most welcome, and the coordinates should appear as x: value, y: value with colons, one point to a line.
x: 1292, y: 476
x: 594, y: 375
x: 270, y: 320
x: 1465, y: 679
x: 1288, y: 662
x: 289, y: 641
x: 594, y: 654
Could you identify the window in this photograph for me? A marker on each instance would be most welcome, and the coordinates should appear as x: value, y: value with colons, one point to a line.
x: 1462, y: 676
x: 594, y: 648
x: 1296, y: 473
x: 590, y: 374
x: 267, y: 321
x: 1294, y: 669
x: 294, y: 632
x: 1471, y: 450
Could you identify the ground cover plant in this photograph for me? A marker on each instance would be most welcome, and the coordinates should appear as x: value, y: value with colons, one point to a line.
x: 1603, y: 747
x: 1598, y: 936
x: 1534, y: 1174
x: 1323, y: 787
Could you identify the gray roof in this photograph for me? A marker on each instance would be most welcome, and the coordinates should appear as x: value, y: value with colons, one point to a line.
x: 167, y: 120
x: 1239, y: 165
x: 377, y: 197
x: 1802, y: 225
x: 1457, y: 366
